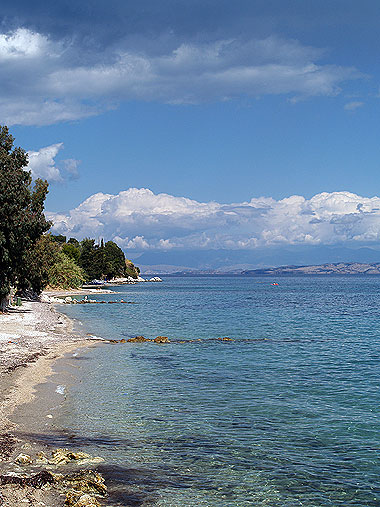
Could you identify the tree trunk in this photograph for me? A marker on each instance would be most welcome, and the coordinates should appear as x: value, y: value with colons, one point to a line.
x: 4, y: 301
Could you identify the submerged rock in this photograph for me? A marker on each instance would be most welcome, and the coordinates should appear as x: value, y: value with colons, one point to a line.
x: 161, y: 339
x: 78, y: 499
x: 86, y: 481
x: 138, y: 339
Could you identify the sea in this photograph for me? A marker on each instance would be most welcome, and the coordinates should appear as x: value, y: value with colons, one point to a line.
x: 284, y: 414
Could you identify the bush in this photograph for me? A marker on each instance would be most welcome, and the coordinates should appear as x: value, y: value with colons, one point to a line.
x: 65, y: 274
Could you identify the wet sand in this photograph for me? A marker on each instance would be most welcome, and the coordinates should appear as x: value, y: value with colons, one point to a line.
x: 32, y: 338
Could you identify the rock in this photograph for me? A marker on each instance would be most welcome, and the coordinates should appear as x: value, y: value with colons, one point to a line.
x: 123, y: 340
x: 42, y: 458
x: 63, y: 456
x: 225, y: 339
x: 86, y: 481
x: 161, y: 339
x: 78, y: 499
x: 138, y: 339
x: 24, y: 459
x: 36, y: 481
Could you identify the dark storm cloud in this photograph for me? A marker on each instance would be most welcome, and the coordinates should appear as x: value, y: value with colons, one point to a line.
x: 81, y: 58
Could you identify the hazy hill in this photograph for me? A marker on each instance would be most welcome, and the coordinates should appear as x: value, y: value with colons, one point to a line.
x: 340, y: 268
x: 243, y: 260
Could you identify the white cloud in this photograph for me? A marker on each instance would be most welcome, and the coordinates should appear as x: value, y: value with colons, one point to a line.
x: 352, y: 106
x: 140, y: 220
x: 22, y: 43
x: 42, y: 163
x: 65, y: 84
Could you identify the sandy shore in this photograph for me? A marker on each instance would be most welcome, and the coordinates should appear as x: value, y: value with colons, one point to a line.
x: 32, y: 338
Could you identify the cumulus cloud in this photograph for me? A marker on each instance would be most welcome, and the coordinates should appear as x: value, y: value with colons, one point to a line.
x: 140, y: 220
x: 42, y: 164
x: 65, y: 83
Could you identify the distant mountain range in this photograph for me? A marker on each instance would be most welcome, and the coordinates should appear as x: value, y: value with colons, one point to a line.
x: 236, y: 261
x: 339, y: 268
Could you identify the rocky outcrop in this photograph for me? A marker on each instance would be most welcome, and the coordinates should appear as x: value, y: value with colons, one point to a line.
x: 161, y: 339
x: 138, y: 339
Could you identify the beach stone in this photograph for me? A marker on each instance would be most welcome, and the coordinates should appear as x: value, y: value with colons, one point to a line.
x: 86, y: 481
x: 63, y: 456
x: 24, y: 459
x: 78, y: 499
x: 138, y: 339
x: 41, y: 457
x: 161, y: 339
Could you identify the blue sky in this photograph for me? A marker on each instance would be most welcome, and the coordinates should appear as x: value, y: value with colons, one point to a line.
x: 200, y: 102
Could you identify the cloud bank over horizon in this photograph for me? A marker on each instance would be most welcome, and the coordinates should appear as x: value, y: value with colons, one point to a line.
x: 139, y: 220
x: 66, y: 82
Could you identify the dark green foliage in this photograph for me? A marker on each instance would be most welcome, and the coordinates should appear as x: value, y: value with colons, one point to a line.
x: 35, y: 272
x: 73, y: 241
x: 114, y: 260
x: 72, y: 251
x: 86, y: 260
x: 22, y: 221
x: 58, y: 238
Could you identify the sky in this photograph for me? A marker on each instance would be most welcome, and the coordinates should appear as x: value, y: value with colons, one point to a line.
x: 192, y: 125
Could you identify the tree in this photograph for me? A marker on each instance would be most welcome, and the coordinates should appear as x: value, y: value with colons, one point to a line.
x: 59, y: 238
x: 37, y: 264
x: 22, y: 221
x: 86, y: 260
x: 73, y: 241
x: 65, y: 273
x: 72, y: 251
x: 114, y: 260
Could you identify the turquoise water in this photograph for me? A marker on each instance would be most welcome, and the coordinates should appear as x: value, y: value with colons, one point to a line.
x: 287, y: 414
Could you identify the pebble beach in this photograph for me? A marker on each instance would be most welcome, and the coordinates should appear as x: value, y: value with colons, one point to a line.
x: 32, y: 337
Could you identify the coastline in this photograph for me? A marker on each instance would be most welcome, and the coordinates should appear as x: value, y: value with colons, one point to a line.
x: 32, y: 338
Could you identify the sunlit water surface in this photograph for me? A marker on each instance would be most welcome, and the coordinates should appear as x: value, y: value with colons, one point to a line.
x: 287, y: 414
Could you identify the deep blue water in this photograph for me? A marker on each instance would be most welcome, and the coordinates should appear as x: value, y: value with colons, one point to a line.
x: 287, y: 414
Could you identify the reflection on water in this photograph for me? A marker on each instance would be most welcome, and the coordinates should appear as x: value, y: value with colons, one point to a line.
x: 285, y: 415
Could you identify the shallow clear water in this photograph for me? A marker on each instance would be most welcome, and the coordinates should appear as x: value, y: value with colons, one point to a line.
x: 287, y: 414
